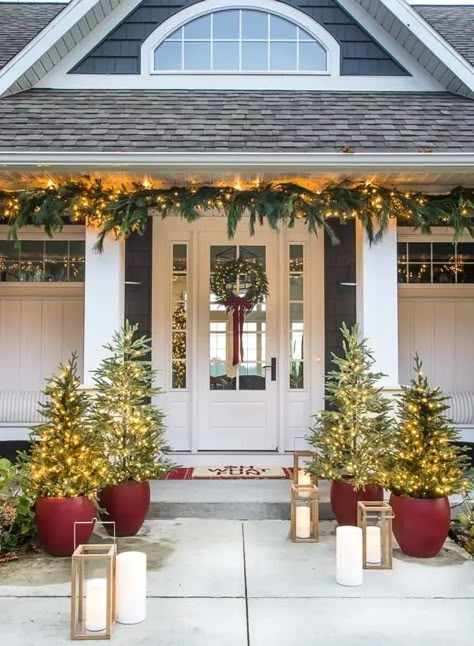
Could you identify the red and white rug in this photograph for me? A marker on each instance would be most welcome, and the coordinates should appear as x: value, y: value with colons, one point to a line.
x: 231, y: 472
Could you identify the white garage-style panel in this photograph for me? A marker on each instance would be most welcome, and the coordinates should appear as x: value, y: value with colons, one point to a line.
x: 438, y: 322
x: 39, y: 328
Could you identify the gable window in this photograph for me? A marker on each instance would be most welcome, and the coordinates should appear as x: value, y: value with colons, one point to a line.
x: 240, y: 41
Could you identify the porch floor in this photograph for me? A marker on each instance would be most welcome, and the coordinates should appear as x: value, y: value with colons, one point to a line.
x: 228, y: 499
x: 234, y: 583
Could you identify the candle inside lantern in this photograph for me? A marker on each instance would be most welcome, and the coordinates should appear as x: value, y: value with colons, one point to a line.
x: 303, y: 522
x: 373, y: 545
x: 131, y: 587
x: 349, y: 570
x: 304, y: 478
x: 96, y: 605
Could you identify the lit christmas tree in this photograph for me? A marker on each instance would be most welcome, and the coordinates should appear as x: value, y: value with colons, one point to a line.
x: 425, y: 462
x: 65, y: 457
x: 352, y: 440
x: 131, y: 427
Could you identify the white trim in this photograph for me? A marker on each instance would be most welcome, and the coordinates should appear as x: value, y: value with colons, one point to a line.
x: 40, y: 44
x: 284, y: 162
x: 66, y: 291
x: 68, y: 232
x: 432, y: 39
x: 297, y: 17
x: 438, y: 234
x: 440, y: 291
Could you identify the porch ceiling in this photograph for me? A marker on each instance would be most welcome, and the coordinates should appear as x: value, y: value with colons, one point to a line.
x: 314, y: 176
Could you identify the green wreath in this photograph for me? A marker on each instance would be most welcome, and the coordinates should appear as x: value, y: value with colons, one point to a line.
x: 251, y: 274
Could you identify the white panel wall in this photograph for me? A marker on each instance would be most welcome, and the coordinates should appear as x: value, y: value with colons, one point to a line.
x: 37, y: 332
x: 439, y: 326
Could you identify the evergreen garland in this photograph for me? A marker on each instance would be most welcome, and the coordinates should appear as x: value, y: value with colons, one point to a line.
x: 353, y: 440
x: 130, y: 427
x: 125, y: 210
x: 426, y: 463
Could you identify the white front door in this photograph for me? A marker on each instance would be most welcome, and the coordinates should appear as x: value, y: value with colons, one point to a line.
x: 211, y: 405
x: 237, y: 405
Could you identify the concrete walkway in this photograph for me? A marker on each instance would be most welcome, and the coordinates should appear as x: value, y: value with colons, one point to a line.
x: 233, y: 583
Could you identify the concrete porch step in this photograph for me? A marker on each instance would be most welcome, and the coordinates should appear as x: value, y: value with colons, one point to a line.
x: 228, y: 499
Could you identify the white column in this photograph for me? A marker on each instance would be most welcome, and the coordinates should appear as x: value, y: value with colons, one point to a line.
x: 103, y: 298
x: 377, y: 300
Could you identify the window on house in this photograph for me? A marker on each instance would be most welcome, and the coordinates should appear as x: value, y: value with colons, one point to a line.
x: 435, y: 262
x: 42, y: 261
x: 242, y: 41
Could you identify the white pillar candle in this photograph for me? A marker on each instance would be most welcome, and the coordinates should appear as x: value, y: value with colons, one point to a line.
x: 349, y: 570
x: 374, y: 545
x: 303, y: 522
x: 304, y: 478
x: 96, y: 604
x: 131, y: 587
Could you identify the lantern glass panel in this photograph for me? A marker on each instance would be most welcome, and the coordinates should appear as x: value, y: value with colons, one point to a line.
x: 300, y: 476
x: 304, y: 514
x: 375, y: 520
x: 93, y: 591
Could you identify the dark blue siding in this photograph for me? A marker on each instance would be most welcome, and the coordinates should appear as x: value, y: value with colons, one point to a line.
x: 119, y: 52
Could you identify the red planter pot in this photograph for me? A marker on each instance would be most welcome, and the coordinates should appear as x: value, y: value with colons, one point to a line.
x: 421, y: 525
x: 344, y: 500
x: 126, y: 505
x: 55, y: 518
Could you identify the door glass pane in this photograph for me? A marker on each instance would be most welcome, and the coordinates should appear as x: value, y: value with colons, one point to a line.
x: 249, y: 373
x: 179, y: 318
x: 296, y: 314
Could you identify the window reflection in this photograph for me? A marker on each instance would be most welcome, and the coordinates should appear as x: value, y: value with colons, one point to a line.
x: 42, y: 261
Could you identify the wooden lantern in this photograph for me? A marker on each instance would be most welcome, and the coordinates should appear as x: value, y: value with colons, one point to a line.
x: 304, y: 514
x: 375, y: 520
x: 300, y: 477
x: 93, y: 598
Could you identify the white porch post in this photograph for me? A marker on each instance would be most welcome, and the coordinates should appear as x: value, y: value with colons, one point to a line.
x: 103, y: 298
x: 377, y: 300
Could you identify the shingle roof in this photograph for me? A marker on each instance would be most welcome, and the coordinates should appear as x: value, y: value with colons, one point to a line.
x: 20, y: 22
x: 195, y: 120
x: 455, y: 23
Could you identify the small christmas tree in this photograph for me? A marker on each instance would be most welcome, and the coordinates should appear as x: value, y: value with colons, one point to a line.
x: 425, y: 462
x: 131, y: 427
x: 352, y: 440
x: 65, y: 457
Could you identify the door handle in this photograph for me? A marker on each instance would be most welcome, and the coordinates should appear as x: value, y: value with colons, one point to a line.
x: 273, y: 368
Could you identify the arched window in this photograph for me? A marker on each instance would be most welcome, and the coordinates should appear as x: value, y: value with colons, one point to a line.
x: 240, y: 41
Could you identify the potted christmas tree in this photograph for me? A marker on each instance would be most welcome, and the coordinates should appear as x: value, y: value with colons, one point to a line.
x: 352, y: 439
x: 65, y: 467
x: 131, y: 428
x: 426, y: 468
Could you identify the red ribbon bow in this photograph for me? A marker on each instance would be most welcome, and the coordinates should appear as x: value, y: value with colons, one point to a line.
x: 238, y: 305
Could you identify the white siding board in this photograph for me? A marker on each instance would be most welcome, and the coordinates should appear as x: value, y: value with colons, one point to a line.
x: 444, y: 345
x: 73, y: 330
x: 52, y: 337
x: 31, y: 352
x: 464, y: 354
x: 405, y: 335
x: 10, y: 335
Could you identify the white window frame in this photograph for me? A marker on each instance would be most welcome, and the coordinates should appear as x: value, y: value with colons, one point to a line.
x: 297, y: 17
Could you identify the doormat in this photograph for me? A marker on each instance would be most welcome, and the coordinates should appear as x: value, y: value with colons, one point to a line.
x: 231, y: 472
